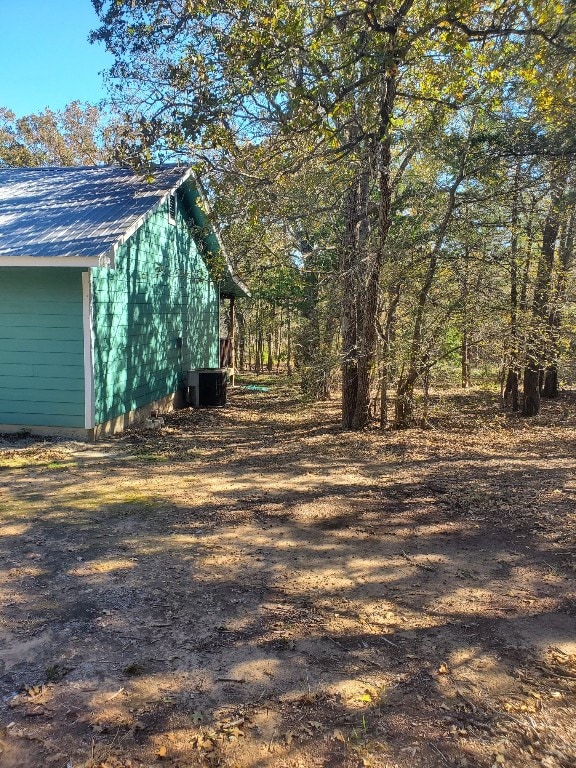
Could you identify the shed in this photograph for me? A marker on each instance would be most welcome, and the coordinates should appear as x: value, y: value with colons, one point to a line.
x: 110, y: 288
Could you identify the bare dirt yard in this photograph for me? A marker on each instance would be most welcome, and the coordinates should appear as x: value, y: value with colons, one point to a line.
x: 252, y: 587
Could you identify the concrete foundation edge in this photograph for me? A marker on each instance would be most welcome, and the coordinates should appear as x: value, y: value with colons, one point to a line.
x: 108, y: 428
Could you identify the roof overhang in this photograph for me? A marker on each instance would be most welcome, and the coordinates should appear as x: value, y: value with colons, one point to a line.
x: 229, y: 282
x: 54, y: 261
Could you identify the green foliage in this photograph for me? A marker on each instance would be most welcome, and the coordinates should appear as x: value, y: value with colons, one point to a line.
x: 390, y: 165
x: 76, y: 135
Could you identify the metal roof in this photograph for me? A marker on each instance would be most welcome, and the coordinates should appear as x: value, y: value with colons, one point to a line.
x: 82, y: 213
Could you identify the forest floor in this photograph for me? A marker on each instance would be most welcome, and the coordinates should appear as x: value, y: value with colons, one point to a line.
x: 252, y: 587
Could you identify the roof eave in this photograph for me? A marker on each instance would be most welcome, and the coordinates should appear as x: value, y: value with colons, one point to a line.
x: 231, y: 284
x: 57, y: 261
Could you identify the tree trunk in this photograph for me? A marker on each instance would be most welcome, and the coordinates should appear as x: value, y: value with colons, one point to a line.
x: 465, y: 361
x: 368, y: 336
x: 240, y: 338
x: 551, y: 387
x: 426, y: 378
x: 278, y: 340
x: 259, y: 352
x: 539, y: 343
x: 309, y: 347
x: 387, y: 345
x: 404, y: 412
x: 531, y: 406
x: 270, y: 360
x: 511, y: 388
x: 356, y: 218
x: 404, y: 408
x: 288, y: 342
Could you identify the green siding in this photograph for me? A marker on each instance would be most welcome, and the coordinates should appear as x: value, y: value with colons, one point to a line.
x: 41, y: 347
x: 159, y: 290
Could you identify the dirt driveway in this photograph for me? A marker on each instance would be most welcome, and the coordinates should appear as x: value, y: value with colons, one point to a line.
x: 252, y: 587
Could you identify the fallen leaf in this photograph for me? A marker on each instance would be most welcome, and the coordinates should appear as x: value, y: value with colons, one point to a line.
x: 206, y: 744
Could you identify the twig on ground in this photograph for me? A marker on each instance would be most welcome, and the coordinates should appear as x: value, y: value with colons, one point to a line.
x: 413, y: 562
x: 118, y: 692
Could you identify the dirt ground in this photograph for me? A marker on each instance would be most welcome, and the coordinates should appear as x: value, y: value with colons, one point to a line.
x: 251, y: 587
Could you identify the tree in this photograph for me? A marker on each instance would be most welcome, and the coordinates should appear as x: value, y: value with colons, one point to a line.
x: 281, y: 238
x: 76, y: 135
x: 346, y: 84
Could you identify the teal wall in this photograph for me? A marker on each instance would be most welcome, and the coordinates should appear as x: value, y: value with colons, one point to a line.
x: 159, y: 290
x: 41, y: 347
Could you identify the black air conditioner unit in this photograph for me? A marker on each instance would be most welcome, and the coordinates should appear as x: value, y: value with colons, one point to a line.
x: 207, y: 387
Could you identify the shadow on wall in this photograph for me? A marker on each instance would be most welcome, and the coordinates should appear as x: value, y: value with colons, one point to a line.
x: 160, y: 293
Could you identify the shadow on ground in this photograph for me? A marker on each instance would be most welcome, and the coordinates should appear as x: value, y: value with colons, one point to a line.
x: 252, y: 587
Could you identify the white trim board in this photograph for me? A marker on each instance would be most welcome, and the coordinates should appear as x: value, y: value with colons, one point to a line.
x: 88, y: 350
x: 51, y: 261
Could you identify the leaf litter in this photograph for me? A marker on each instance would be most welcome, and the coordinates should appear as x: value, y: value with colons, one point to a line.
x: 275, y: 592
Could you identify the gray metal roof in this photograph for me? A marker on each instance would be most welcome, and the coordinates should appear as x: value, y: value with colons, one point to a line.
x: 76, y: 212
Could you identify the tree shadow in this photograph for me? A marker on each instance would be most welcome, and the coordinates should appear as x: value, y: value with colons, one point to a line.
x: 332, y: 610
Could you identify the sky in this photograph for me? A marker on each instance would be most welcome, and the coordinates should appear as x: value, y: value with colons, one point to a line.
x: 45, y: 57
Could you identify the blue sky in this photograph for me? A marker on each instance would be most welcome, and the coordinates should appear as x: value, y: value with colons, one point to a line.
x: 45, y: 57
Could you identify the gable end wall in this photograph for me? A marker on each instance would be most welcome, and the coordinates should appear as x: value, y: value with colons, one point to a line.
x: 159, y: 291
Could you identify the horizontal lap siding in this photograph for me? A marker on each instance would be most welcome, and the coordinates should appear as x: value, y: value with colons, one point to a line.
x: 41, y: 347
x: 159, y: 291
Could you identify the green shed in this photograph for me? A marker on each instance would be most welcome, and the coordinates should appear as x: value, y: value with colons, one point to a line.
x: 110, y: 291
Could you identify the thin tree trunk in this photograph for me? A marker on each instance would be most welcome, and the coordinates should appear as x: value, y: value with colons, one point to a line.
x: 288, y: 341
x: 531, y: 386
x: 367, y: 340
x: 538, y: 344
x: 309, y: 344
x: 426, y: 392
x: 465, y: 345
x: 465, y: 360
x: 387, y: 344
x: 404, y: 412
x: 278, y: 340
x: 240, y: 337
x: 270, y: 359
x: 356, y: 217
x: 551, y: 379
x: 259, y: 352
x: 511, y: 388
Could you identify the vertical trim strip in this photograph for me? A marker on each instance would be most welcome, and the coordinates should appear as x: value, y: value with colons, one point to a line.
x: 88, y: 350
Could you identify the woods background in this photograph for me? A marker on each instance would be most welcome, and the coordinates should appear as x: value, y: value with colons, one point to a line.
x: 394, y: 182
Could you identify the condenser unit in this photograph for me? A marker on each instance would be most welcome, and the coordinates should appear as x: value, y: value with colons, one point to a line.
x: 207, y: 387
